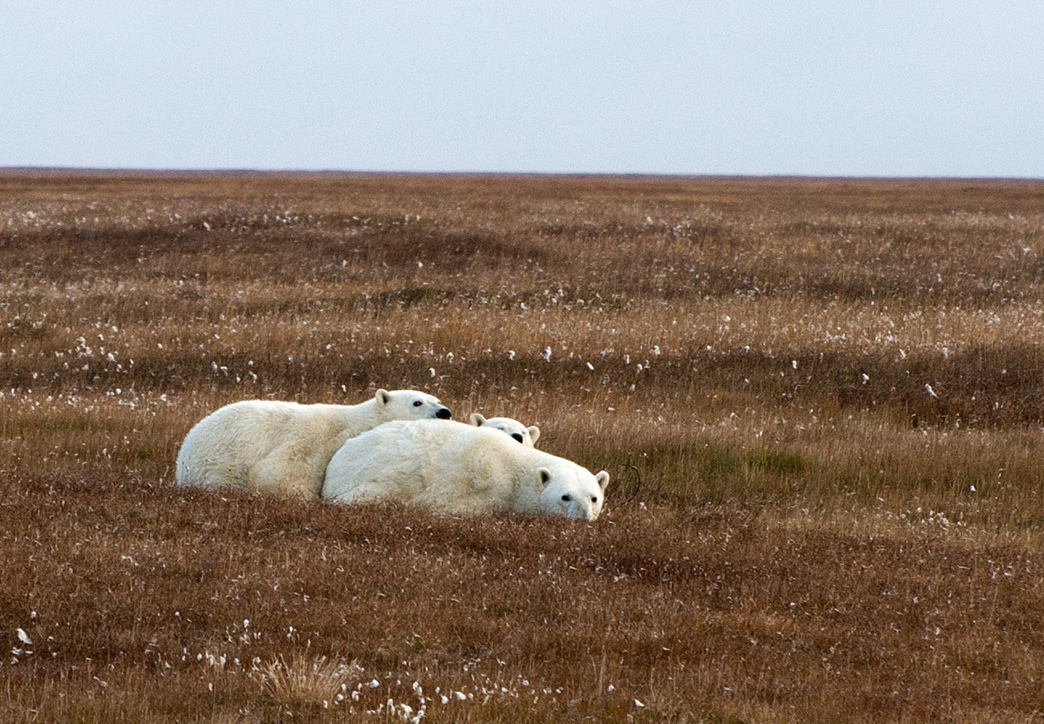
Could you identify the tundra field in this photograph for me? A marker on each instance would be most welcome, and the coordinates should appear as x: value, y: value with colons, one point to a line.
x: 820, y: 401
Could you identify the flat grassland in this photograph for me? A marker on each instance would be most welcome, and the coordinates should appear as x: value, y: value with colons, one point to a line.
x: 820, y: 402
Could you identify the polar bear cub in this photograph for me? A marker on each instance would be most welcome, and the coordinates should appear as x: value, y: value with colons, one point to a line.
x: 284, y: 447
x: 525, y: 435
x: 457, y: 468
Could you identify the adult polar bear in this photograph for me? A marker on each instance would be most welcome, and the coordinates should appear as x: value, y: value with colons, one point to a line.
x: 284, y: 447
x: 457, y: 468
x: 525, y: 435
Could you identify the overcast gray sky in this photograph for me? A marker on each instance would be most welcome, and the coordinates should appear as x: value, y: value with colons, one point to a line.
x: 870, y: 88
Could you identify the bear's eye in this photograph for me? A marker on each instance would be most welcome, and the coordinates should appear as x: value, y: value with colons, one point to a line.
x: 566, y: 498
x: 594, y: 498
x: 516, y: 436
x: 417, y: 403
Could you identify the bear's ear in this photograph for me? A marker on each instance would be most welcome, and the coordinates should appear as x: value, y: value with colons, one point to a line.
x: 602, y: 478
x: 477, y: 419
x: 534, y: 433
x: 545, y: 476
x: 383, y: 397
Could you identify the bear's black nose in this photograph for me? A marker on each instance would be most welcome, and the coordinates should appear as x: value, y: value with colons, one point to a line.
x: 444, y: 413
x: 517, y: 436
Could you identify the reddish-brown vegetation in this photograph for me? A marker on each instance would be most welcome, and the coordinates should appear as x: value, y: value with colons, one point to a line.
x: 821, y: 403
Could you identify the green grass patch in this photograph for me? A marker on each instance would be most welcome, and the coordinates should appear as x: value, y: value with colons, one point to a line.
x: 707, y: 472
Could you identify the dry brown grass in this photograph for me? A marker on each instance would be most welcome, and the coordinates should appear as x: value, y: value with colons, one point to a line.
x: 797, y: 529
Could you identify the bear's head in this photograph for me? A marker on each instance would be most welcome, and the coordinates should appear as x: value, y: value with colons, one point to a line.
x: 571, y: 491
x: 519, y: 432
x: 409, y: 405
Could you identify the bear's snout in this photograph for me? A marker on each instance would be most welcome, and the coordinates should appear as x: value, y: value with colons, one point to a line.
x: 580, y: 511
x: 444, y: 413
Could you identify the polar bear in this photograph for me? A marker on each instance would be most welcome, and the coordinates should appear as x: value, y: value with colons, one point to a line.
x: 284, y: 447
x: 525, y: 435
x: 457, y: 468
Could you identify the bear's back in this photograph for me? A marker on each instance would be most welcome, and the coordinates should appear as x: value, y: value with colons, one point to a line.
x: 444, y: 465
x: 224, y: 447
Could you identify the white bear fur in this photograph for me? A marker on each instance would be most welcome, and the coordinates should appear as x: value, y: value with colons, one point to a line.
x: 457, y: 468
x: 525, y: 435
x: 284, y: 447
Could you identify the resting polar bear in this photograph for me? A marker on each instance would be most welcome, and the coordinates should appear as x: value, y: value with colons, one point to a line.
x: 525, y: 435
x: 457, y: 468
x: 283, y: 447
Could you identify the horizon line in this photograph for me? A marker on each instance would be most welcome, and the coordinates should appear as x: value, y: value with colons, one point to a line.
x: 606, y: 175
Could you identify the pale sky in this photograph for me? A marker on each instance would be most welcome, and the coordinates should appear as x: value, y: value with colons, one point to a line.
x: 755, y: 87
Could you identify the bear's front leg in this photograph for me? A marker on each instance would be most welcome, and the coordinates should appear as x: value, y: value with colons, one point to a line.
x: 276, y: 478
